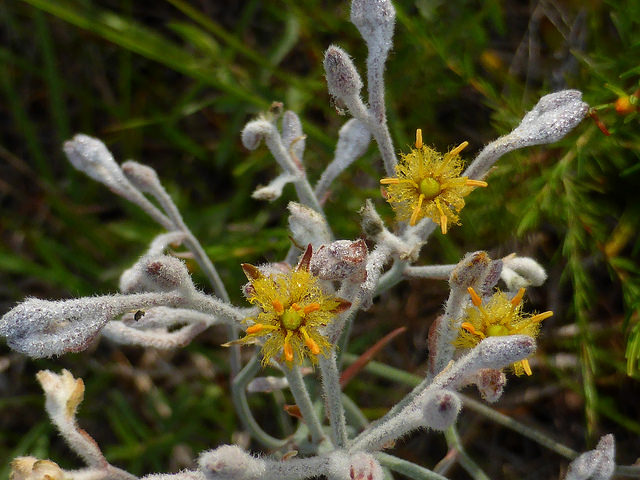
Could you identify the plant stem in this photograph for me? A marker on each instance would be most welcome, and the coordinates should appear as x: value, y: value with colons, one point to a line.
x: 406, y: 468
x: 239, y: 396
x: 301, y: 396
x: 333, y: 397
x: 472, y: 468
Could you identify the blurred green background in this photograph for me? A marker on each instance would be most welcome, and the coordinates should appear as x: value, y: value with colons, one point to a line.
x: 171, y: 83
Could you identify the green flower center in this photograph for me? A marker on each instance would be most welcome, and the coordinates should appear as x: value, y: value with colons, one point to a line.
x: 290, y: 319
x: 429, y: 187
x: 497, y: 331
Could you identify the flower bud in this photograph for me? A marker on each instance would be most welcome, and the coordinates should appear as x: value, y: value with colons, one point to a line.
x: 30, y: 468
x: 143, y: 177
x: 273, y: 191
x: 340, y: 260
x: 307, y: 226
x: 471, y: 271
x: 440, y: 409
x: 91, y: 156
x: 498, y: 352
x: 522, y: 272
x: 365, y: 467
x: 230, y: 462
x: 372, y: 225
x: 375, y: 20
x: 343, y: 79
x: 254, y: 132
x: 554, y: 116
x: 598, y: 464
x: 64, y: 393
x: 158, y: 273
x: 490, y: 383
x: 43, y: 328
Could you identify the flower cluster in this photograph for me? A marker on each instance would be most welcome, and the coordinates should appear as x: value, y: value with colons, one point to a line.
x: 428, y: 184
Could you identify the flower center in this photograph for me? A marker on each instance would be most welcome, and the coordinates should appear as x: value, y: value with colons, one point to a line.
x: 429, y: 187
x: 291, y: 319
x: 497, y: 331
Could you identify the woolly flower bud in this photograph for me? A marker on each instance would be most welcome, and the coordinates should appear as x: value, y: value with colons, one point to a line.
x: 30, y: 468
x: 41, y: 328
x: 273, y: 190
x: 143, y: 177
x: 522, y: 272
x: 360, y: 466
x: 552, y: 118
x: 167, y: 273
x: 91, y: 156
x: 64, y: 393
x: 475, y: 270
x: 307, y: 226
x: 343, y: 79
x: 253, y: 133
x: 440, y: 409
x: 498, y: 352
x: 490, y: 383
x: 372, y: 225
x: 340, y: 260
x: 375, y: 20
x: 159, y: 273
x: 492, y: 353
x: 598, y: 464
x: 230, y: 462
x: 365, y: 467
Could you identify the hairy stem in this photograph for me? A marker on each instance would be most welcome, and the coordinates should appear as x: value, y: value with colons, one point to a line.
x: 239, y: 396
x: 303, y: 400
x: 333, y: 397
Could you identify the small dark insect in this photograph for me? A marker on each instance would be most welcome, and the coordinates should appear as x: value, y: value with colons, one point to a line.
x: 138, y: 315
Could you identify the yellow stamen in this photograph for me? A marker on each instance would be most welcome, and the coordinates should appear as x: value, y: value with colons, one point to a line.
x: 310, y: 342
x: 288, y: 350
x: 470, y: 328
x: 515, y: 301
x: 476, y: 183
x: 443, y: 224
x: 277, y: 306
x: 418, y: 138
x: 541, y: 316
x: 312, y: 307
x: 255, y: 328
x: 526, y: 366
x: 389, y: 181
x: 258, y: 327
x: 459, y: 148
x: 416, y: 211
x: 475, y: 298
x: 443, y: 217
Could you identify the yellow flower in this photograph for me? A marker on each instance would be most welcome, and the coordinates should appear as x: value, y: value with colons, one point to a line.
x: 499, y: 317
x: 293, y: 308
x: 428, y: 184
